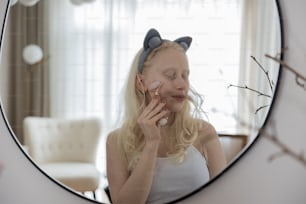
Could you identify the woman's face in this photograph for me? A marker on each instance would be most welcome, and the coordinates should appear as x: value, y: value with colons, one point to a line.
x: 170, y: 67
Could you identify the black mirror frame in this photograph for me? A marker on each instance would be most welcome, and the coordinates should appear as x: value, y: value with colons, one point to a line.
x: 192, y: 193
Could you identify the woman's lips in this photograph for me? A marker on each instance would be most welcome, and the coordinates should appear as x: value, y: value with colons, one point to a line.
x: 179, y: 98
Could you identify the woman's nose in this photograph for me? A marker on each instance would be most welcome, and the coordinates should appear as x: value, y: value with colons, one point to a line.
x: 181, y: 84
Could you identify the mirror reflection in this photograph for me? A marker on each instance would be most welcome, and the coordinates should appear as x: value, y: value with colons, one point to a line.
x: 65, y: 63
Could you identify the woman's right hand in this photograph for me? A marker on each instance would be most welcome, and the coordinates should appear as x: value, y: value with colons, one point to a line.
x: 149, y: 119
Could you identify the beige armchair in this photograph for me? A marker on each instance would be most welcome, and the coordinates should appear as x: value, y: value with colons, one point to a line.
x: 65, y: 149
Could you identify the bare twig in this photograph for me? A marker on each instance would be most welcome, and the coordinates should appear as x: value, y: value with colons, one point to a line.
x: 272, y: 137
x: 251, y: 89
x: 256, y: 91
x: 261, y: 107
x: 284, y: 150
x: 299, y: 78
x: 265, y: 71
x: 299, y: 83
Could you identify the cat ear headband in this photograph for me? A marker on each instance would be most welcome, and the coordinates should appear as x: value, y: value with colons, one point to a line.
x: 154, y: 40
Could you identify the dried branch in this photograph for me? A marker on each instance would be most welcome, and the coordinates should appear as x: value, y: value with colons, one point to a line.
x: 265, y: 71
x: 251, y: 89
x: 299, y: 83
x: 284, y: 149
x: 299, y: 78
x: 261, y: 107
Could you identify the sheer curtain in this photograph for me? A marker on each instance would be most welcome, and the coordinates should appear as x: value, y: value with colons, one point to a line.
x: 86, y: 56
x: 260, y: 35
x: 92, y: 47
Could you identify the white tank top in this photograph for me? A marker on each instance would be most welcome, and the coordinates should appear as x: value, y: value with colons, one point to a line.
x: 174, y: 180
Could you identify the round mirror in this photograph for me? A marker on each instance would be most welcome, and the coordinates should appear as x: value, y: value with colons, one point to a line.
x: 62, y: 106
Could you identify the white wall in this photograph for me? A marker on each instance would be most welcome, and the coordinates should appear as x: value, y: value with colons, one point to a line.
x: 253, y: 179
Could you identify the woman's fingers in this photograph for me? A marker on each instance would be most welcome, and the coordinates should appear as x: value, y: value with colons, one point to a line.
x: 155, y: 102
x: 152, y: 113
x: 159, y: 116
x: 155, y: 111
x: 152, y: 121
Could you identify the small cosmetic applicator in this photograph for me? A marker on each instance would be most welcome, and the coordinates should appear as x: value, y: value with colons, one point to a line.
x: 154, y: 85
x: 151, y: 87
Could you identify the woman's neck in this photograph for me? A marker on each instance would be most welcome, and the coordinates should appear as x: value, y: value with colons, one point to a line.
x: 167, y: 133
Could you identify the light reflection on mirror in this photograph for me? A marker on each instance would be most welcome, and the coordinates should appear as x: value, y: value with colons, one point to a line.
x: 89, y: 48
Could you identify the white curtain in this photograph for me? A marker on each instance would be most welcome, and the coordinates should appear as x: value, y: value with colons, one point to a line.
x: 260, y: 35
x: 88, y: 52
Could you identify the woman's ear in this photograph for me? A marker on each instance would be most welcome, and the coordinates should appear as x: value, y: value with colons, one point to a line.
x: 139, y: 83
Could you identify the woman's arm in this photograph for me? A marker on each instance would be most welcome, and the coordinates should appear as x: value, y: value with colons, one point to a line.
x: 135, y: 187
x: 215, y: 156
x: 125, y: 188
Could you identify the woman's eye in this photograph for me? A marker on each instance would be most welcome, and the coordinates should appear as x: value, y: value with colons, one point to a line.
x: 171, y: 76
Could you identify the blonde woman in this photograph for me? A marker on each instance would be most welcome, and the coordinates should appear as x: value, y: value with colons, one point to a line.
x: 162, y: 151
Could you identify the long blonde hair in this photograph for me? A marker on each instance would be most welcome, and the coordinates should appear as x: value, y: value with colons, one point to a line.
x: 186, y: 124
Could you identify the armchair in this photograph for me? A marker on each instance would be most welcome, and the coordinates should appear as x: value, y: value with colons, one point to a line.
x: 65, y: 149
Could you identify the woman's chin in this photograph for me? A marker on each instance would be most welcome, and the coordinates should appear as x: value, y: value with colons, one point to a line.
x: 176, y: 108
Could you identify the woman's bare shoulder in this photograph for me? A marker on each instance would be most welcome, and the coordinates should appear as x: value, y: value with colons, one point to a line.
x: 113, y: 137
x: 207, y: 131
x: 114, y: 145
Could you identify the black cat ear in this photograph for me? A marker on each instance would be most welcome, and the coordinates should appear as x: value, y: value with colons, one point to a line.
x: 152, y: 39
x: 185, y: 42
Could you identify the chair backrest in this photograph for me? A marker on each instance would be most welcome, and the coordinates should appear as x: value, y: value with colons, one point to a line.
x: 232, y: 144
x: 62, y: 140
